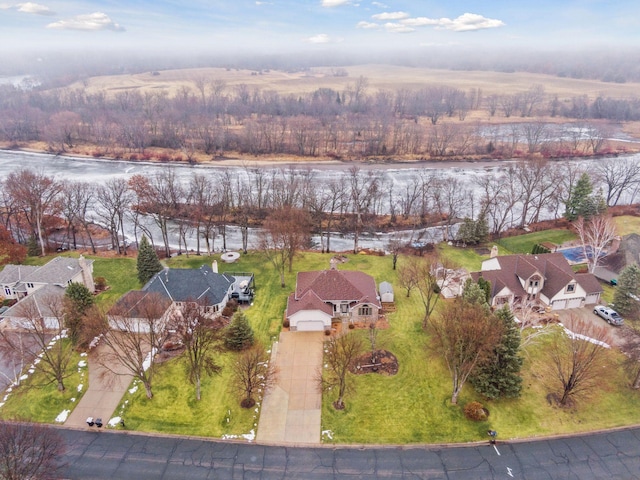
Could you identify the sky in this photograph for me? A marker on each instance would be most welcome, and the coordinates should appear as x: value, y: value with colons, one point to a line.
x: 277, y: 26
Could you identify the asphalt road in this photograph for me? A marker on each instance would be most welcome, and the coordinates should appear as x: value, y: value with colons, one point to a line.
x: 119, y: 455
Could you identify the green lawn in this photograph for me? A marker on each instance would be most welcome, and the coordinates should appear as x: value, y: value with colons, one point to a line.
x: 412, y: 406
x: 525, y: 243
x: 35, y: 400
x: 627, y: 224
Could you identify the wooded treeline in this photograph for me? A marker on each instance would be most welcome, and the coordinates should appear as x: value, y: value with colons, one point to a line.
x: 200, y: 206
x: 212, y: 118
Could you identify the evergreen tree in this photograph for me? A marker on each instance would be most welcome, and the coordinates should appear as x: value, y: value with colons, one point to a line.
x: 239, y: 334
x: 485, y: 285
x: 475, y: 294
x: 473, y: 231
x: 148, y: 262
x: 33, y: 249
x: 499, y: 376
x: 77, y: 300
x: 628, y: 288
x: 582, y: 202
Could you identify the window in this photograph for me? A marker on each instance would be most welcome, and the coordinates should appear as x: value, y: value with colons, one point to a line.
x: 344, y: 308
x: 29, y: 285
x: 571, y: 287
x: 7, y: 291
x: 364, y: 311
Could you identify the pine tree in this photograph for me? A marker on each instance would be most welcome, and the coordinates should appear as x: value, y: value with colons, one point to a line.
x: 500, y: 375
x: 148, y: 262
x: 239, y: 334
x: 582, y: 202
x: 628, y: 288
x: 77, y: 300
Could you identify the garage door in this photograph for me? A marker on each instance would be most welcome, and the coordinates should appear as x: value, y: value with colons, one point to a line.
x: 593, y: 298
x: 558, y: 305
x: 574, y: 302
x: 310, y: 326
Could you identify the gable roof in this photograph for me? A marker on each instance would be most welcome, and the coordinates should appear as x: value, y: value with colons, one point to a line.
x: 131, y: 304
x: 12, y: 274
x: 181, y: 284
x: 553, y: 267
x: 338, y: 285
x: 40, y: 301
x: 309, y: 301
x: 58, y: 271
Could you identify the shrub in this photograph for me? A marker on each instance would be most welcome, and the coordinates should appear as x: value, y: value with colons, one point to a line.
x: 100, y: 283
x: 230, y: 308
x: 285, y: 324
x: 475, y: 411
x: 327, y: 332
x: 351, y: 326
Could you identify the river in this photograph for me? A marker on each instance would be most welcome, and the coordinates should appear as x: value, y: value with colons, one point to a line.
x: 98, y: 171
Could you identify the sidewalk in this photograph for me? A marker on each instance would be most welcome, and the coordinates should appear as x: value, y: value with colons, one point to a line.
x: 291, y: 410
x: 102, y: 397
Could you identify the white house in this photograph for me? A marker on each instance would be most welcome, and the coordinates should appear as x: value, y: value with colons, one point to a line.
x: 545, y: 279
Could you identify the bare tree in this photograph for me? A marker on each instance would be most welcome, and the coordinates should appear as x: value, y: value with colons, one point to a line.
x: 341, y: 353
x: 113, y: 201
x: 201, y: 339
x: 132, y: 337
x: 619, y: 176
x: 577, y: 358
x: 595, y: 234
x: 408, y: 276
x: 41, y: 316
x: 252, y: 375
x: 429, y: 273
x: 36, y: 195
x: 29, y: 451
x: 288, y: 230
x: 465, y: 336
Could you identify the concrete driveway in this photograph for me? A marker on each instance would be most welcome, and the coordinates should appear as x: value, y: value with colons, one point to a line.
x: 291, y: 410
x: 619, y: 335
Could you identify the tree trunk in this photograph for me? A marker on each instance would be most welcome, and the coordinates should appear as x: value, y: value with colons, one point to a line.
x: 61, y: 387
x: 147, y: 388
x: 636, y: 382
x: 198, y: 387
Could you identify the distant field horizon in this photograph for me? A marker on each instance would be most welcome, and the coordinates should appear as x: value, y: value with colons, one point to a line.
x: 379, y: 77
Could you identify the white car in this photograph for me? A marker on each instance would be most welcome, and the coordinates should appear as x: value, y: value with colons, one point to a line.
x: 609, y: 314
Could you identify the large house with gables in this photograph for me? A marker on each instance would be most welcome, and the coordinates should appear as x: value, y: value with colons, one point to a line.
x: 544, y: 279
x: 39, y: 290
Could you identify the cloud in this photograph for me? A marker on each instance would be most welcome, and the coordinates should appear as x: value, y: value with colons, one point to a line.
x: 32, y: 8
x: 320, y: 38
x: 390, y: 16
x: 263, y: 3
x: 334, y: 3
x: 464, y: 23
x: 379, y: 4
x: 91, y: 21
x: 367, y: 25
x: 398, y: 28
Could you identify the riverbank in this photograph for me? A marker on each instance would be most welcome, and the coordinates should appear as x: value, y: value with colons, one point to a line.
x: 174, y: 157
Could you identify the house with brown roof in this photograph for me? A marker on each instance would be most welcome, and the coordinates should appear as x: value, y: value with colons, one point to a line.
x: 322, y: 296
x: 543, y: 279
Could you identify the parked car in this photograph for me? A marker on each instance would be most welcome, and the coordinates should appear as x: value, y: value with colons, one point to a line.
x: 609, y: 314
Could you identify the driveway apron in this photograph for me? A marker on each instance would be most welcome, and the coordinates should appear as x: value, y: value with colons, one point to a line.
x: 103, y: 395
x: 291, y: 409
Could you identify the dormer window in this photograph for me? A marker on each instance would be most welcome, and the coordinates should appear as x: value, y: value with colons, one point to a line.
x: 29, y: 285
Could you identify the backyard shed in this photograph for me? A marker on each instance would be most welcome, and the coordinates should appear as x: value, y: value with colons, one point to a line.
x: 386, y: 292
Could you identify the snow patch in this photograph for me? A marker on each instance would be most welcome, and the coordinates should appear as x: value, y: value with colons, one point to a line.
x: 133, y: 389
x: 62, y: 416
x: 250, y: 437
x: 114, y: 421
x: 328, y: 434
x: 24, y: 377
x: 82, y: 363
x: 80, y: 387
x: 579, y: 336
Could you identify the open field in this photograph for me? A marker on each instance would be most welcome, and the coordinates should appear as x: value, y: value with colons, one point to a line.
x: 380, y: 77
